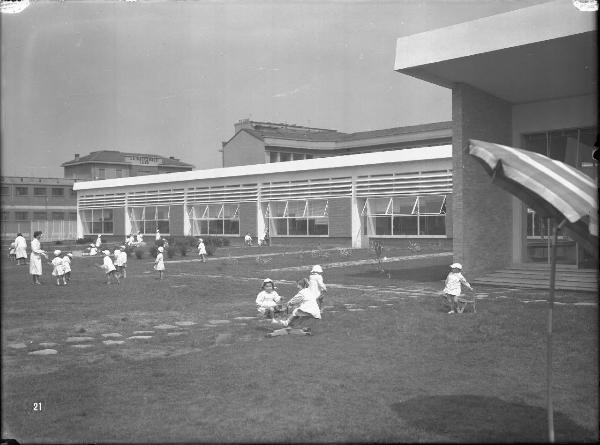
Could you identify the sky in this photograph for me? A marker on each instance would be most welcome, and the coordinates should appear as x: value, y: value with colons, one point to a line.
x: 172, y: 77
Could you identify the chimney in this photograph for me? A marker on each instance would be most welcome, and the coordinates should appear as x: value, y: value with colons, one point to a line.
x: 243, y: 123
x: 77, y: 156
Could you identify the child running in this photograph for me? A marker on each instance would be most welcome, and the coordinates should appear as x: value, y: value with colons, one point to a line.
x: 317, y: 286
x: 307, y: 306
x: 453, y: 286
x: 59, y: 270
x: 202, y: 250
x: 268, y: 300
x: 159, y: 263
x: 109, y: 268
x: 66, y: 261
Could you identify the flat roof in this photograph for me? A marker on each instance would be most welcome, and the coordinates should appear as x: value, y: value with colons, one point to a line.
x: 385, y: 157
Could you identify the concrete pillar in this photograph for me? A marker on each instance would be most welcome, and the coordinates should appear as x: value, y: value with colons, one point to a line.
x: 481, y: 212
x: 261, y: 226
x: 356, y: 225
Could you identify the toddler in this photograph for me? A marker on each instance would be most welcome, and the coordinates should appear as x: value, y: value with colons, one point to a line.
x: 202, y: 250
x: 109, y: 268
x: 12, y: 255
x: 307, y: 306
x: 66, y: 260
x: 268, y: 300
x: 159, y: 263
x: 316, y: 284
x: 453, y: 286
x: 123, y: 261
x: 58, y: 271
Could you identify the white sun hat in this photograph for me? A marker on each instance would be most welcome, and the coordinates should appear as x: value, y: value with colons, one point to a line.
x: 455, y: 266
x: 316, y: 268
x: 56, y: 252
x: 70, y: 255
x: 106, y: 252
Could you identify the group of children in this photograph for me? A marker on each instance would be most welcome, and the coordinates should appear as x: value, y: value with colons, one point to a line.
x: 116, y: 270
x: 306, y: 304
x: 61, y: 267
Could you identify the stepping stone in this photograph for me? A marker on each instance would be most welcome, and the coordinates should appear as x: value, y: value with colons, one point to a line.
x: 44, y: 352
x: 222, y: 338
x: 185, y: 323
x: 241, y: 324
x: 355, y: 309
x: 165, y: 326
x: 560, y: 303
x: 112, y: 335
x: 244, y: 318
x: 78, y: 339
x: 585, y: 304
x: 48, y: 344
x: 140, y: 337
x: 143, y: 332
x: 333, y: 312
x: 113, y: 342
x: 210, y: 325
x: 17, y: 346
x: 328, y: 307
x: 174, y: 334
x: 81, y: 346
x: 219, y: 321
x: 374, y: 307
x: 388, y: 304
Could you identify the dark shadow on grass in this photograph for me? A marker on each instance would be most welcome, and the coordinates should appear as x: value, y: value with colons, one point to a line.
x: 472, y: 418
x: 421, y: 274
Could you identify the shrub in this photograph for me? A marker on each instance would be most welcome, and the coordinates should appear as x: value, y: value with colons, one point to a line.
x: 153, y: 251
x: 170, y: 252
x: 139, y: 253
x: 129, y: 250
x: 211, y: 246
x: 160, y: 243
x: 182, y: 249
x: 84, y: 240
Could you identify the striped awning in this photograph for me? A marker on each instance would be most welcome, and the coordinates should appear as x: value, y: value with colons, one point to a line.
x: 550, y: 187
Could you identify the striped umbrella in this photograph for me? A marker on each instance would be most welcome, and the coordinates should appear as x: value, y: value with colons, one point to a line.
x: 553, y: 189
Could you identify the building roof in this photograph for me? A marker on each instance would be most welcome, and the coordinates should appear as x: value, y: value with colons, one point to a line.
x: 263, y: 130
x: 420, y: 154
x: 32, y: 180
x: 117, y: 157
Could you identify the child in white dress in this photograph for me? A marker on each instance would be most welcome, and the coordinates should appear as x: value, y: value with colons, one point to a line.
x: 109, y: 268
x: 66, y: 260
x: 159, y: 263
x: 268, y: 300
x: 58, y: 271
x: 123, y: 261
x: 307, y: 306
x: 317, y: 286
x: 117, y: 262
x: 453, y: 287
x: 202, y: 250
x: 12, y: 252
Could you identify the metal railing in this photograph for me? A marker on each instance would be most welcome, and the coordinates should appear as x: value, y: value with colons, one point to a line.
x: 52, y: 230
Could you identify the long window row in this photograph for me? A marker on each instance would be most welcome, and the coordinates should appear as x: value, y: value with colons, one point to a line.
x: 214, y: 219
x: 150, y: 218
x: 405, y: 215
x: 307, y: 217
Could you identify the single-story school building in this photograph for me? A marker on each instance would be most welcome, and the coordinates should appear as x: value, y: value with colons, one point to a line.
x: 402, y: 194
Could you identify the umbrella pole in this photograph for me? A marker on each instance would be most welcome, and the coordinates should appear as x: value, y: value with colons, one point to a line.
x: 549, y: 339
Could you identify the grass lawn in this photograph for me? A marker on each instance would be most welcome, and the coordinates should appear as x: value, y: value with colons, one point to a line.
x: 385, y: 364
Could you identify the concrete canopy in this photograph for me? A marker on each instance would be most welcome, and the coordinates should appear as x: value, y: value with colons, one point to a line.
x: 542, y: 52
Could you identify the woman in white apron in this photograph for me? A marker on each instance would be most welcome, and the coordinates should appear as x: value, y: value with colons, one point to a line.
x: 35, y: 260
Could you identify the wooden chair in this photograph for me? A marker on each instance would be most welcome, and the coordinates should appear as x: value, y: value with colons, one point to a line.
x: 464, y: 301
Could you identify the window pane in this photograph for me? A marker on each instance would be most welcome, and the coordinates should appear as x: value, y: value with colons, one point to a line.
x: 273, y: 156
x: 537, y: 143
x: 72, y: 216
x: 318, y: 226
x: 162, y: 212
x: 276, y: 208
x: 39, y: 191
x: 298, y: 156
x: 296, y: 208
x: 58, y: 191
x: 378, y: 206
x: 107, y: 214
x: 96, y: 227
x: 150, y: 213
x: 215, y: 227
x: 231, y: 227
x: 317, y: 207
x: 56, y: 216
x: 432, y: 225
x: 21, y: 216
x: 21, y: 191
x: 405, y: 225
x: 39, y: 215
x: 107, y: 227
x: 383, y: 225
x: 204, y: 227
x: 230, y: 211
x: 403, y: 205
x: 431, y: 204
x: 214, y: 210
x: 284, y: 157
x: 563, y: 146
x: 297, y: 226
x: 5, y: 190
x: 163, y: 226
x: 137, y: 214
x: 279, y: 226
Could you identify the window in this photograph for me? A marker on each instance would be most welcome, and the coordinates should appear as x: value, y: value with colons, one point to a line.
x: 58, y: 191
x: 148, y: 219
x: 405, y: 215
x: 21, y: 216
x: 72, y: 216
x: 119, y: 173
x: 273, y: 156
x: 97, y: 221
x: 298, y: 156
x: 37, y: 216
x: 39, y: 191
x: 307, y: 217
x: 283, y: 157
x: 215, y: 219
x: 5, y: 190
x: 5, y: 216
x: 102, y: 173
x: 21, y: 191
x: 57, y: 216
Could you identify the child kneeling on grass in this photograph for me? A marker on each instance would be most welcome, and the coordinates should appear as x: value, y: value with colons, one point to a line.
x: 268, y: 300
x: 453, y: 286
x: 307, y: 304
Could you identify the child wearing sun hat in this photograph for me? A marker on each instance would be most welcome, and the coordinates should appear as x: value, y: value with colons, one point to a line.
x: 159, y: 262
x: 109, y: 268
x: 453, y: 288
x: 317, y: 286
x: 66, y: 261
x: 123, y: 261
x: 59, y: 270
x: 268, y: 300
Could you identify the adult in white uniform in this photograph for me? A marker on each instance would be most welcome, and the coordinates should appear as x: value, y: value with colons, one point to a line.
x: 20, y: 249
x: 35, y: 260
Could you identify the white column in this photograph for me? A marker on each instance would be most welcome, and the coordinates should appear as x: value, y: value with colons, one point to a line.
x: 260, y: 218
x: 356, y: 223
x: 519, y: 235
x: 126, y: 216
x: 79, y: 223
x: 187, y: 224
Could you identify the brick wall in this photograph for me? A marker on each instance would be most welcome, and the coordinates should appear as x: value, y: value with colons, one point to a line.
x: 248, y: 218
x: 176, y: 220
x: 340, y: 217
x: 481, y: 211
